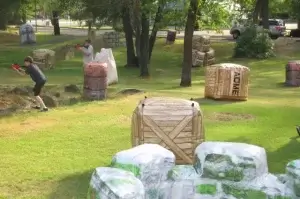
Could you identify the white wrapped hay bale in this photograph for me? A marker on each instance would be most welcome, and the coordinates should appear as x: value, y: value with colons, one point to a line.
x: 293, y: 176
x: 227, y: 81
x: 111, y: 183
x: 230, y: 161
x: 265, y: 187
x: 183, y: 172
x: 106, y: 56
x: 191, y: 189
x: 150, y: 163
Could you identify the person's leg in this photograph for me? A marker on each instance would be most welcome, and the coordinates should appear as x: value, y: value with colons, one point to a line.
x: 37, y: 90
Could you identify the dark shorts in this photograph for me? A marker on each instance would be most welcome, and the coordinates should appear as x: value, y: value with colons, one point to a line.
x: 38, y: 88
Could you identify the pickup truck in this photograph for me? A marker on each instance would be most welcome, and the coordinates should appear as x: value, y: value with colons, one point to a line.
x: 276, y: 29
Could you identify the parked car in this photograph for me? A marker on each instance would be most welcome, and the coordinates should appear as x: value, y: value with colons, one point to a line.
x: 276, y: 28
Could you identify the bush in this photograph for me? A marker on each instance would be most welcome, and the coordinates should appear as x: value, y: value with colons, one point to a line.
x: 254, y: 44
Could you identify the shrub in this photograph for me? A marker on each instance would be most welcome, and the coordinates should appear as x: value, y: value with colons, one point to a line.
x: 254, y: 44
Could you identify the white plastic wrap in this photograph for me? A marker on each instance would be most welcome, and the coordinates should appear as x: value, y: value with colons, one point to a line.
x: 112, y: 183
x: 150, y: 163
x: 267, y: 186
x: 106, y: 56
x: 230, y: 161
x: 293, y: 176
x: 183, y: 172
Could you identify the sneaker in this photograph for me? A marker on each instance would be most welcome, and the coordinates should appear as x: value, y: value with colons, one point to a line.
x: 44, y: 110
x: 298, y: 130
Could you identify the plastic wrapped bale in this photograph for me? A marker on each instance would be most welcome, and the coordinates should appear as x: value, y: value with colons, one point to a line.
x: 293, y: 176
x: 27, y: 34
x: 106, y: 56
x: 150, y: 163
x: 188, y: 189
x: 264, y: 187
x: 183, y: 172
x: 230, y: 161
x: 197, y: 58
x: 44, y: 58
x: 227, y: 81
x: 173, y: 123
x: 95, y: 81
x: 111, y: 183
x: 201, y: 43
x: 209, y: 58
x: 292, y: 77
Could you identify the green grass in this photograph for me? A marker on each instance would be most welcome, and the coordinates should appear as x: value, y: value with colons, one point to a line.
x: 52, y: 155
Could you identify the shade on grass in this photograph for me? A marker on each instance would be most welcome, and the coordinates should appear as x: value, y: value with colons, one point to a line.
x: 52, y: 155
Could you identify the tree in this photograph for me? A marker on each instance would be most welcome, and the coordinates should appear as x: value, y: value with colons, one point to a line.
x: 295, y: 10
x: 6, y: 7
x: 186, y: 79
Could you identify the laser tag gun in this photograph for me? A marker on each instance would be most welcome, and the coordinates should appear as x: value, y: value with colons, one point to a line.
x: 16, y: 66
x: 77, y: 46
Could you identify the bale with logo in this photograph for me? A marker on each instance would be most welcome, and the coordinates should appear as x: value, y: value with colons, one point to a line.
x: 173, y: 123
x: 44, y: 58
x: 227, y: 81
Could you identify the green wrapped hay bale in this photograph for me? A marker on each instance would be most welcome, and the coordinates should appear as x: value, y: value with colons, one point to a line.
x: 150, y: 163
x: 266, y: 187
x: 183, y: 172
x: 293, y: 176
x: 112, y: 183
x: 230, y: 161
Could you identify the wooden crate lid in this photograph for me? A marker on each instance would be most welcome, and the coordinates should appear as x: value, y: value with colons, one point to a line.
x: 229, y: 66
x: 168, y: 106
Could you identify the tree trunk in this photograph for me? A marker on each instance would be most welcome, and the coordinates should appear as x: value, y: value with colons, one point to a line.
x: 3, y: 20
x: 127, y: 28
x: 298, y: 23
x: 257, y: 11
x: 55, y: 22
x: 186, y: 79
x: 138, y: 43
x: 144, y: 46
x: 157, y: 20
x: 265, y: 14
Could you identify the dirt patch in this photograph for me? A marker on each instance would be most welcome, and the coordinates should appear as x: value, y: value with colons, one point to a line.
x: 227, y: 117
x: 18, y: 99
x: 130, y: 91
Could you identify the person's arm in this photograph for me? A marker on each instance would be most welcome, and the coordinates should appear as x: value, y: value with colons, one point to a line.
x: 21, y: 71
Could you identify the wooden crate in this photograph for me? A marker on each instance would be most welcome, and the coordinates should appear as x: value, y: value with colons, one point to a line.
x: 44, y: 58
x: 227, y: 81
x: 175, y: 124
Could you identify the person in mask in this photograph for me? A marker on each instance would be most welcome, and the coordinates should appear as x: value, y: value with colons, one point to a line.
x: 88, y: 52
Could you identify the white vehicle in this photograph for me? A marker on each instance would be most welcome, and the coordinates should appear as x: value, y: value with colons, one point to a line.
x: 276, y: 28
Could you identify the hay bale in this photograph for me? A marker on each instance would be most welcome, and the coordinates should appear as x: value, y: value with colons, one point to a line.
x: 209, y: 58
x: 292, y: 77
x: 227, y: 81
x: 230, y: 161
x: 171, y: 37
x: 111, y: 183
x: 173, y: 123
x: 150, y: 163
x: 95, y: 81
x: 201, y: 43
x: 44, y: 58
x: 197, y: 58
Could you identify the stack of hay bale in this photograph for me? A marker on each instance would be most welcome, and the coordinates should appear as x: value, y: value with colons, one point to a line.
x: 111, y: 39
x: 44, y: 58
x: 221, y: 170
x: 203, y: 54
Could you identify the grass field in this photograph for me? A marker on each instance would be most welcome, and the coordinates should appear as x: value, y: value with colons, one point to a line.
x: 52, y: 155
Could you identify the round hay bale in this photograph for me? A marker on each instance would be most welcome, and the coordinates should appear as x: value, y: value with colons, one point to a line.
x: 292, y: 77
x: 227, y: 81
x: 44, y: 58
x: 197, y: 58
x: 173, y: 123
